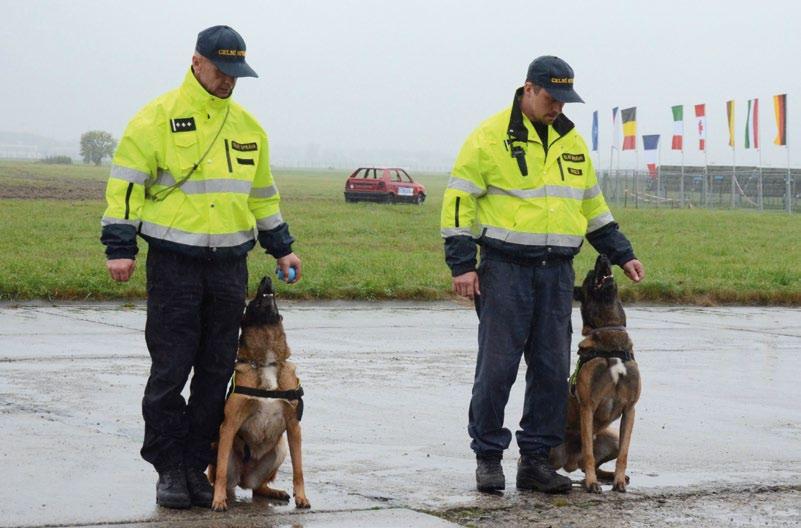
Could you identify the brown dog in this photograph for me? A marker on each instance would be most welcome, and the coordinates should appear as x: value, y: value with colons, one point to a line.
x: 265, y: 401
x: 604, y: 387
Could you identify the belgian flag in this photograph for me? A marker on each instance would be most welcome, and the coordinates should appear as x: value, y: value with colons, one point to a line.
x: 780, y: 107
x: 629, y: 118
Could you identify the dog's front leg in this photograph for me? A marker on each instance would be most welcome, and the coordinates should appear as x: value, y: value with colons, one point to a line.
x: 626, y: 426
x: 294, y: 437
x: 234, y: 417
x: 590, y: 478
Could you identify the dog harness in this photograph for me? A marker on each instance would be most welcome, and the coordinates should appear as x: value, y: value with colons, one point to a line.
x: 290, y: 395
x: 623, y: 355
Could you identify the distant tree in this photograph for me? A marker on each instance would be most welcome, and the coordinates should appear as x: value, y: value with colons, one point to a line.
x: 96, y: 145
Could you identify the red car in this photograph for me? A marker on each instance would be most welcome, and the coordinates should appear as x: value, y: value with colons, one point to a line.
x: 390, y: 185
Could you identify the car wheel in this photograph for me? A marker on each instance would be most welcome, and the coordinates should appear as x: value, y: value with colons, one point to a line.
x: 420, y: 198
x: 390, y: 198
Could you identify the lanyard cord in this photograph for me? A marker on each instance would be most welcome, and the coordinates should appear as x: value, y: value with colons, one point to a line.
x: 158, y: 196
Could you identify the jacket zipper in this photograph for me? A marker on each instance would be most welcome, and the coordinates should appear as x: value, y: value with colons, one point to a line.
x: 559, y: 161
x: 228, y: 157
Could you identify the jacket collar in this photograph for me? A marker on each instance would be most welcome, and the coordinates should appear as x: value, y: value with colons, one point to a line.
x: 519, y: 124
x: 198, y: 97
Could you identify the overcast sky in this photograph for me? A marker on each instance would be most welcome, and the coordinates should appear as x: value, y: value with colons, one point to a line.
x: 408, y: 75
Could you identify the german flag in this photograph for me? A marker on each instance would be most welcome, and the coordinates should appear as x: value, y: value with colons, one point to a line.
x: 629, y: 118
x: 780, y: 107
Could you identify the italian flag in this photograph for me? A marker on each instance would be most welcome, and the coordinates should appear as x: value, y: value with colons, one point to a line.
x: 678, y: 127
x: 700, y: 123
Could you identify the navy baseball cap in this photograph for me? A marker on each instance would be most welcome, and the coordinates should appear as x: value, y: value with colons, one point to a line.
x: 556, y: 76
x: 226, y: 49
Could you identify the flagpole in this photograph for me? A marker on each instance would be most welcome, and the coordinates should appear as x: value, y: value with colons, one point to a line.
x: 789, y: 189
x: 636, y: 183
x: 733, y: 177
x: 681, y: 181
x: 760, y: 196
x: 659, y: 172
x: 611, y: 155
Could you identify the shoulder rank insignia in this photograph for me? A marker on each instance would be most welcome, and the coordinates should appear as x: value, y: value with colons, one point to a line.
x: 182, y: 124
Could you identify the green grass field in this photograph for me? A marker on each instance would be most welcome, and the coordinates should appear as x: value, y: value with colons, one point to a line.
x: 50, y: 249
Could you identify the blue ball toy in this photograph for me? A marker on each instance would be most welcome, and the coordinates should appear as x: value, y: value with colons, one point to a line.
x: 280, y: 273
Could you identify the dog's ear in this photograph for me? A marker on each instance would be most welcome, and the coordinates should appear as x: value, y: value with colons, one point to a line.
x: 578, y: 293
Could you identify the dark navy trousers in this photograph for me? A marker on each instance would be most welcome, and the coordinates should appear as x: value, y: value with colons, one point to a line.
x: 194, y: 310
x: 524, y: 310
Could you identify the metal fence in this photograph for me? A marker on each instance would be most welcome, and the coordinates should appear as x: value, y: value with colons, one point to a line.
x: 715, y: 186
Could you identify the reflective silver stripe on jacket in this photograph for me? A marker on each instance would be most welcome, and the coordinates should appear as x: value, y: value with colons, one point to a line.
x: 532, y: 239
x: 214, y: 185
x: 172, y: 234
x: 455, y: 231
x: 164, y: 177
x: 129, y: 175
x: 263, y: 192
x: 271, y: 222
x: 599, y: 221
x: 460, y: 184
x: 592, y: 192
x: 107, y: 220
x: 540, y: 192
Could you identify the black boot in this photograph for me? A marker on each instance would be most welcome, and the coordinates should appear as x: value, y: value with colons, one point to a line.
x: 200, y: 489
x: 535, y: 473
x: 171, y: 489
x: 489, y: 473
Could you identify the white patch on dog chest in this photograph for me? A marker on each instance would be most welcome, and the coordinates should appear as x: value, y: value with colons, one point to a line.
x: 617, y: 369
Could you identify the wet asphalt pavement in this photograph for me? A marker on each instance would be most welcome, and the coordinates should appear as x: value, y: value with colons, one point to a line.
x: 385, y: 444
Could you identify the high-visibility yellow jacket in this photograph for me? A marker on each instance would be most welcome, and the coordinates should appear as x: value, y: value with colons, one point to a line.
x: 192, y: 174
x: 518, y: 197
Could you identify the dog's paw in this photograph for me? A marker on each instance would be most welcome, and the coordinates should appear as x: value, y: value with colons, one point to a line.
x: 620, y: 486
x: 302, y: 502
x: 592, y: 487
x: 219, y: 505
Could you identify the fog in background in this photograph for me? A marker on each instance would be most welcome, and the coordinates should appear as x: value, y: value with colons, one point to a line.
x: 344, y: 83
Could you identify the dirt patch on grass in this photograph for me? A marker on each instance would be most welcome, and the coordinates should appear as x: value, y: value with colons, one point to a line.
x: 53, y: 189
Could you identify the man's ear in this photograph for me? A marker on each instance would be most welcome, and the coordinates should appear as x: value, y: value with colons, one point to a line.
x: 578, y: 294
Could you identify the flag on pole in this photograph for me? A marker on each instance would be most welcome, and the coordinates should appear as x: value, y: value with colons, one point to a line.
x: 700, y: 122
x: 595, y: 131
x: 650, y: 144
x: 629, y: 118
x: 615, y: 142
x: 730, y: 119
x: 780, y: 107
x: 678, y: 127
x: 752, y: 124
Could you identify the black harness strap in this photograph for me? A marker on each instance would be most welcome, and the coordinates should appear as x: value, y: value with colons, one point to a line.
x: 290, y: 395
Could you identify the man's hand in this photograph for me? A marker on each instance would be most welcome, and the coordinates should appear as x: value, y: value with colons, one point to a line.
x: 466, y: 285
x: 121, y: 269
x: 634, y: 270
x: 290, y: 261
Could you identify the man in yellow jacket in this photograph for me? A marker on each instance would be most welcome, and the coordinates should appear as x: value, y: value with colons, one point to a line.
x: 523, y: 188
x: 191, y: 176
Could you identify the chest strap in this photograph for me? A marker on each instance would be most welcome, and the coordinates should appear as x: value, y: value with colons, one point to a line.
x: 291, y: 395
x: 623, y: 355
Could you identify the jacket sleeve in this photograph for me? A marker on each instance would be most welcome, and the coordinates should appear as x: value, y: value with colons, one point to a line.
x: 264, y: 204
x: 460, y: 209
x: 134, y: 162
x: 603, y: 232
